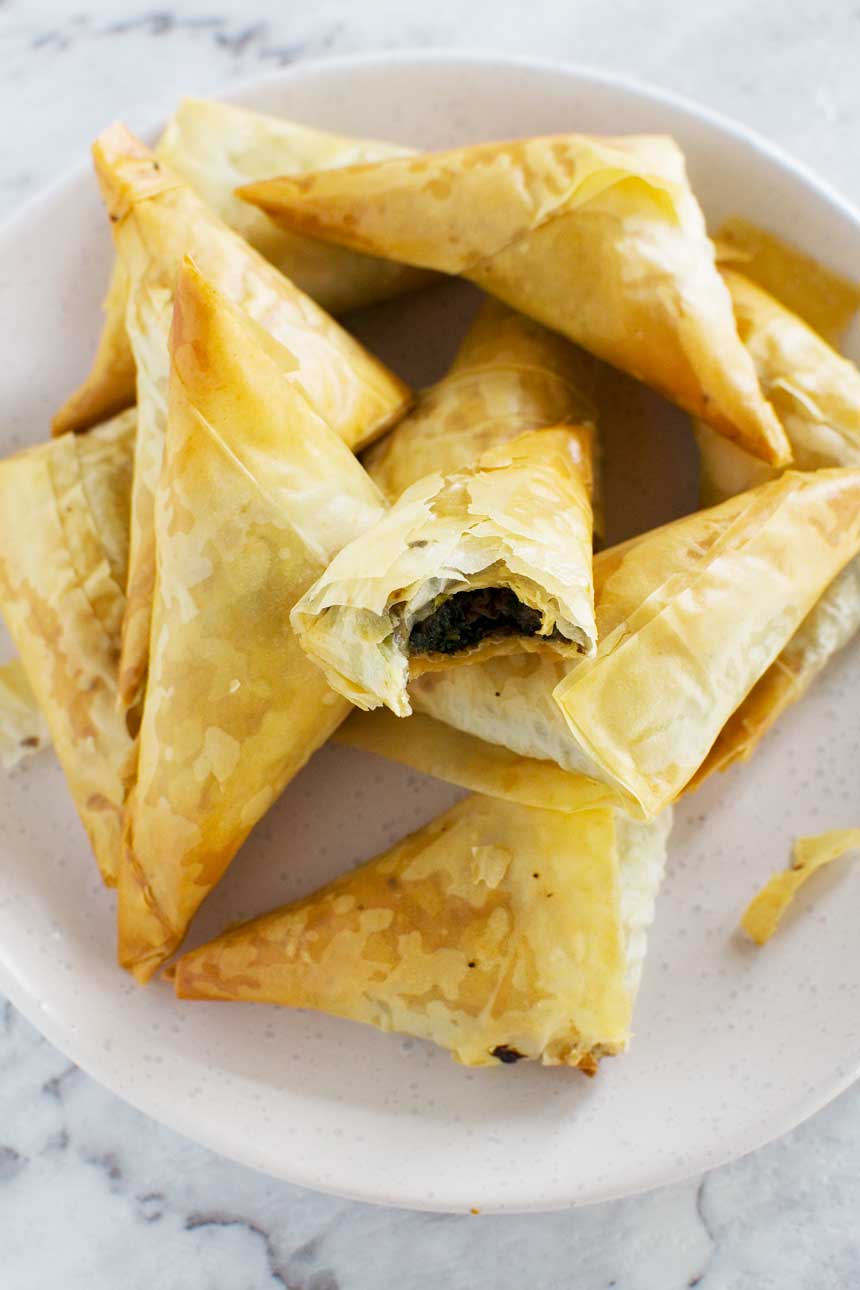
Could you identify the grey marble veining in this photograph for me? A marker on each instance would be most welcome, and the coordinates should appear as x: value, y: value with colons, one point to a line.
x: 92, y: 1194
x: 90, y: 1186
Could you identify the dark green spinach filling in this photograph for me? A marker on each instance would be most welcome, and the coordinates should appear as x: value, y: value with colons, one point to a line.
x: 506, y: 1054
x: 467, y: 617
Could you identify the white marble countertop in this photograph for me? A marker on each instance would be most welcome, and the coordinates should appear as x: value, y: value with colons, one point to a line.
x: 94, y: 1195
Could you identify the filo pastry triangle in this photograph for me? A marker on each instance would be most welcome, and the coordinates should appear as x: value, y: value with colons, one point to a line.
x: 215, y: 147
x: 497, y: 931
x: 816, y: 393
x: 599, y: 238
x: 156, y: 219
x: 689, y: 617
x: 255, y: 496
x: 64, y: 514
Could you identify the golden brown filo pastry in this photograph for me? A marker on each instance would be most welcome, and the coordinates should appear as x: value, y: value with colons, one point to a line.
x: 437, y: 749
x: 64, y: 513
x: 813, y: 389
x: 215, y: 147
x: 816, y: 393
x: 110, y: 385
x: 256, y: 494
x: 766, y: 910
x: 668, y: 675
x: 23, y: 729
x: 689, y: 617
x: 824, y: 299
x: 830, y: 625
x: 791, y: 312
x: 598, y: 238
x: 506, y: 700
x: 497, y: 931
x: 488, y: 559
x: 157, y: 219
x: 509, y: 375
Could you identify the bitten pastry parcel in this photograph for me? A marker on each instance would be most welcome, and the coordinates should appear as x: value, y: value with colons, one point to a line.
x: 494, y: 558
x: 498, y: 931
x: 689, y: 617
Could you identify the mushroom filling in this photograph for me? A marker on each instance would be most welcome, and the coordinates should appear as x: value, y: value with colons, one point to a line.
x: 467, y: 617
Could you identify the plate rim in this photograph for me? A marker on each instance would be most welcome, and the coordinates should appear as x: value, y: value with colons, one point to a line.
x: 180, y: 1118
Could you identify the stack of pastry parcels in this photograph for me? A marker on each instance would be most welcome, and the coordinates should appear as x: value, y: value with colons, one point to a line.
x: 203, y: 586
x: 157, y: 219
x: 215, y: 147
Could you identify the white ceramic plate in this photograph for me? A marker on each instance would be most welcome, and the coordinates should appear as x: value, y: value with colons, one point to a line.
x: 733, y: 1045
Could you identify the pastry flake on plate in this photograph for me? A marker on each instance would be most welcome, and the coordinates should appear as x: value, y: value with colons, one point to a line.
x: 766, y: 910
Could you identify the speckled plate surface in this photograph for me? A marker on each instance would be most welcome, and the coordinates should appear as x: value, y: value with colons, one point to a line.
x: 733, y: 1045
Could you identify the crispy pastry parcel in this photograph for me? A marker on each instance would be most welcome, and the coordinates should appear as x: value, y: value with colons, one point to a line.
x: 509, y: 375
x: 813, y: 389
x: 689, y: 617
x: 157, y: 219
x: 816, y: 393
x: 64, y: 514
x: 829, y: 626
x: 256, y: 495
x: 489, y: 559
x: 215, y: 147
x: 498, y: 931
x: 598, y: 238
